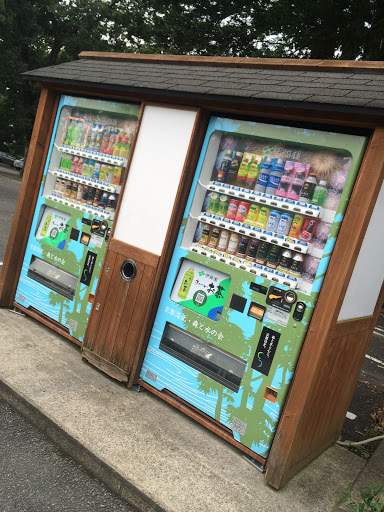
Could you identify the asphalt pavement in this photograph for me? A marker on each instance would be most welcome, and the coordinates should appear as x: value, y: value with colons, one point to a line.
x: 36, y: 476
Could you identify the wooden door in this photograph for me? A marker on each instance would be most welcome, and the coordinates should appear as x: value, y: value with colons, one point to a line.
x: 120, y: 310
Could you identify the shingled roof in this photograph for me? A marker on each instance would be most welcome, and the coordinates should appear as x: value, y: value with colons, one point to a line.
x: 354, y: 87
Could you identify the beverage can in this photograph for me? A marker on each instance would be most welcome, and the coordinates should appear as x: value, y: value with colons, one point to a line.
x: 262, y: 218
x: 91, y: 195
x: 243, y: 246
x: 223, y: 240
x: 252, y: 251
x: 252, y: 214
x: 233, y: 243
x: 116, y: 175
x: 214, y: 237
x: 80, y: 189
x: 232, y: 209
x: 213, y: 203
x: 308, y: 229
x: 103, y: 172
x: 104, y: 200
x: 273, y: 221
x: 109, y: 175
x: 223, y: 206
x: 74, y: 191
x: 262, y: 253
x: 296, y: 265
x: 84, y: 169
x: 205, y: 234
x: 91, y: 169
x: 97, y: 198
x: 273, y: 256
x: 285, y: 261
x: 68, y: 188
x: 298, y: 221
x: 242, y: 211
x: 111, y: 204
x: 284, y: 225
x: 63, y: 187
x: 85, y: 193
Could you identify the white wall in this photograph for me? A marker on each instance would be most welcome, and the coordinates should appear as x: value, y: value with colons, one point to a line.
x: 154, y: 177
x: 368, y: 274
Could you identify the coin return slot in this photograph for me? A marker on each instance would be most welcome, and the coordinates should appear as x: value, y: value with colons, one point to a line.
x: 270, y: 394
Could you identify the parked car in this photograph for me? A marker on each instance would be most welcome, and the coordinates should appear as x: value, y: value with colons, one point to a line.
x: 5, y: 158
x: 18, y: 163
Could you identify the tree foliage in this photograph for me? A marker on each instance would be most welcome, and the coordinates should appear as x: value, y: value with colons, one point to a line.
x: 37, y: 33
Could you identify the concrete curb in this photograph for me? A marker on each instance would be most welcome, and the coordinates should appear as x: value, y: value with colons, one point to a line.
x: 99, y: 469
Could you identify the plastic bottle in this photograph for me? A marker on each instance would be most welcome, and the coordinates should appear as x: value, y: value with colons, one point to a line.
x: 243, y: 170
x: 117, y: 148
x: 186, y: 284
x: 69, y: 138
x: 274, y: 176
x: 76, y: 134
x: 308, y: 188
x: 222, y: 174
x: 286, y: 179
x: 265, y: 169
x: 320, y: 193
x: 253, y: 173
x: 234, y: 168
x: 297, y: 184
x: 125, y: 146
x: 84, y: 134
x: 74, y: 165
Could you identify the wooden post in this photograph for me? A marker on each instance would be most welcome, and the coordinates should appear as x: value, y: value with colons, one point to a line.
x: 333, y: 351
x: 25, y: 205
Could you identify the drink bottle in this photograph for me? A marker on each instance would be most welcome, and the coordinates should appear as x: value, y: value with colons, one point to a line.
x: 69, y: 138
x: 117, y: 148
x: 186, y: 284
x: 242, y: 173
x: 286, y: 179
x: 320, y: 193
x: 308, y: 188
x: 234, y: 168
x: 285, y: 262
x: 253, y: 173
x: 125, y: 145
x: 265, y: 169
x: 274, y: 176
x: 296, y: 265
x: 224, y: 168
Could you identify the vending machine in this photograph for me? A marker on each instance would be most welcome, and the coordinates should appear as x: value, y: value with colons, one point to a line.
x: 260, y: 225
x: 75, y: 209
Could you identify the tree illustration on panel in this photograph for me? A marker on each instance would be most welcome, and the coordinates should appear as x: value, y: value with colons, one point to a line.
x: 210, y: 388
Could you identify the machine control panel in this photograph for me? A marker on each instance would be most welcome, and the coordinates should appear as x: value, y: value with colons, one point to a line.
x: 281, y: 299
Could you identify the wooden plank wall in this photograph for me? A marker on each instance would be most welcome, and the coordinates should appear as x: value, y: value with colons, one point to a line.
x: 330, y: 360
x: 22, y: 219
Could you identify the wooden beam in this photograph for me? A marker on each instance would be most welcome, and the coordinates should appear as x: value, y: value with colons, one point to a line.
x: 328, y: 367
x: 22, y: 219
x: 241, y: 62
